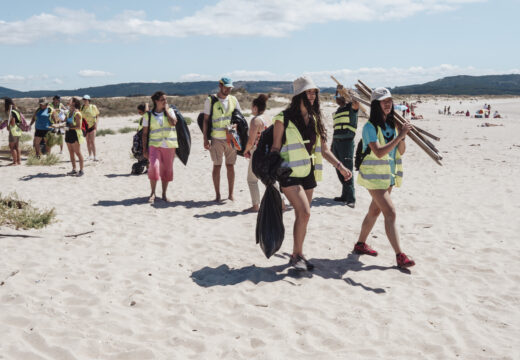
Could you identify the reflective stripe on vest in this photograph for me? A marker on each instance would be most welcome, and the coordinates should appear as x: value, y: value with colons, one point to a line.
x: 221, y: 119
x: 341, y: 121
x: 166, y: 133
x: 375, y: 173
x: 294, y: 153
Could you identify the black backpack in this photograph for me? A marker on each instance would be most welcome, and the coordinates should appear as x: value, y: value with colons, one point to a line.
x: 200, y: 118
x: 265, y: 164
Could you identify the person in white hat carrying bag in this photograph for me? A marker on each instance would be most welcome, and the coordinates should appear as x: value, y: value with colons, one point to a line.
x: 380, y: 170
x: 302, y: 143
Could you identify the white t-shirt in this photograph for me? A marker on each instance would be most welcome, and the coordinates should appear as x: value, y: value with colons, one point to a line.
x: 224, y: 102
x: 160, y: 120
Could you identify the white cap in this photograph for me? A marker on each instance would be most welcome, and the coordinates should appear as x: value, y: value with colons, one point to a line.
x: 380, y: 94
x: 302, y: 84
x: 86, y: 97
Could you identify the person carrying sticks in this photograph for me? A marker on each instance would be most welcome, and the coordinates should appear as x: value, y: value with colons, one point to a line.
x: 381, y: 169
x: 345, y: 125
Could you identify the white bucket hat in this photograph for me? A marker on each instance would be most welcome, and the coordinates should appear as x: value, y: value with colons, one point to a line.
x: 302, y: 84
x: 380, y: 94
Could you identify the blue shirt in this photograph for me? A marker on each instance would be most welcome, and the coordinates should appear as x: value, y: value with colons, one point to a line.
x: 370, y: 135
x: 43, y: 119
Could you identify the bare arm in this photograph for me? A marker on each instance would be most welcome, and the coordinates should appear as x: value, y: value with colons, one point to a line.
x: 78, y: 120
x: 145, y: 141
x: 256, y: 125
x: 381, y: 151
x: 329, y: 156
x: 277, y: 136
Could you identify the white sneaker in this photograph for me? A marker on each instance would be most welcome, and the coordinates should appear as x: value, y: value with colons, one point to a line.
x: 95, y: 159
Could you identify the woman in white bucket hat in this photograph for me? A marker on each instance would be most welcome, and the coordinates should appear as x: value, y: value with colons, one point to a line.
x: 381, y: 170
x: 300, y: 137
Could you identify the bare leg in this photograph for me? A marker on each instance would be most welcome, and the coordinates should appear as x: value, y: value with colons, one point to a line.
x: 164, y: 188
x: 18, y: 153
x: 77, y: 151
x: 14, y: 153
x: 216, y: 181
x: 71, y: 154
x: 369, y: 221
x: 36, y: 143
x: 231, y: 180
x: 93, y: 142
x: 299, y: 199
x: 384, y: 202
x: 153, y: 184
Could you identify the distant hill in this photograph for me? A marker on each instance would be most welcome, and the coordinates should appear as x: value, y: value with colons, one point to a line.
x: 466, y: 85
x: 140, y: 89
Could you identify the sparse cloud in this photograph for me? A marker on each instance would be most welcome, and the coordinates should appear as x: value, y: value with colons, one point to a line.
x: 268, y: 18
x: 94, y: 73
x: 9, y: 79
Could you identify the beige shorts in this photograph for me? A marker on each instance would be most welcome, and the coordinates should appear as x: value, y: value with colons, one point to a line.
x: 220, y: 148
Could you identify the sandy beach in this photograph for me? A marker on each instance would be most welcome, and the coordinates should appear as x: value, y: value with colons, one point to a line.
x: 185, y: 279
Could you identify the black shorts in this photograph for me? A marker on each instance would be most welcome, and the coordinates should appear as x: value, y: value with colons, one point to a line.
x: 40, y: 133
x: 71, y: 136
x: 90, y: 129
x: 308, y: 182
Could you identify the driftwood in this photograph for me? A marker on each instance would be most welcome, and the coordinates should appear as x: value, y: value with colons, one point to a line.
x: 80, y: 234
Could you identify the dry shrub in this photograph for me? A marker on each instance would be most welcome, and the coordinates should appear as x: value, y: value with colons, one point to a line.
x: 21, y: 214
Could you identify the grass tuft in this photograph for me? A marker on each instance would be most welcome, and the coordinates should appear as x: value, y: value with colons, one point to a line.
x: 104, y: 132
x: 22, y: 215
x: 25, y: 138
x: 127, y: 129
x: 45, y: 160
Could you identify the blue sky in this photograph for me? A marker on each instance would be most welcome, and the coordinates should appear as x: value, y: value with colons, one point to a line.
x: 67, y: 44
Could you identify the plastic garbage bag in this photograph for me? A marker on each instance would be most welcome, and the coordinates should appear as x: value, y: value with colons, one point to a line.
x: 269, y: 223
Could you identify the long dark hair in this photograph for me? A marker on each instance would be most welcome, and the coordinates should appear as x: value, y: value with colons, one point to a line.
x: 7, y: 103
x: 314, y: 110
x: 156, y: 96
x: 377, y: 116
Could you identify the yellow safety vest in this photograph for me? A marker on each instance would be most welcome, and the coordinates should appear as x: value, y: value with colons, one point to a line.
x: 342, y: 121
x: 221, y: 119
x: 158, y: 133
x: 79, y: 132
x: 15, y: 129
x: 295, y: 155
x: 140, y: 126
x: 375, y: 173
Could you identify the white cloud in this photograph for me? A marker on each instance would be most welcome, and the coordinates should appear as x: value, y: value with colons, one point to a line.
x: 8, y: 79
x: 94, y: 73
x: 269, y: 18
x: 197, y: 77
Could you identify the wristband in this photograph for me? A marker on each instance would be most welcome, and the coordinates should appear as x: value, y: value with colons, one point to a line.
x: 338, y: 164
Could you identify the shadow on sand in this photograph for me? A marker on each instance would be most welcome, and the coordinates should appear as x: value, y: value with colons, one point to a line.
x: 324, y: 268
x: 321, y: 201
x: 42, y: 176
x: 110, y: 176
x: 125, y: 202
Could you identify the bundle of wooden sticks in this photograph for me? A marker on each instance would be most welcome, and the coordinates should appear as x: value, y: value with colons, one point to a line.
x: 416, y: 134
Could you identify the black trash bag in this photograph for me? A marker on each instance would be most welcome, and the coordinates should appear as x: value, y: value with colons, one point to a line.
x: 183, y: 137
x: 137, y: 145
x: 242, y: 129
x: 138, y: 168
x: 269, y: 223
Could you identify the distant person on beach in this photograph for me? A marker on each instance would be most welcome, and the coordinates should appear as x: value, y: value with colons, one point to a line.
x: 444, y: 110
x: 57, y: 112
x: 14, y: 130
x: 90, y: 113
x: 219, y: 148
x: 381, y: 170
x: 257, y: 125
x: 449, y: 113
x: 74, y: 136
x: 159, y: 143
x: 302, y: 150
x: 345, y: 126
x: 42, y: 117
x: 467, y: 113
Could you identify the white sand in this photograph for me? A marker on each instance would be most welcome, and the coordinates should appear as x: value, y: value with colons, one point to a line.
x: 187, y: 281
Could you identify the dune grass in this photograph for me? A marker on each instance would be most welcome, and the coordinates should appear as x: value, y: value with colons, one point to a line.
x: 26, y: 137
x: 22, y: 215
x: 45, y: 160
x: 127, y: 129
x: 104, y: 132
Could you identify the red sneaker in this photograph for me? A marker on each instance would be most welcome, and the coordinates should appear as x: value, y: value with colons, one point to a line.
x: 403, y: 261
x: 364, y: 249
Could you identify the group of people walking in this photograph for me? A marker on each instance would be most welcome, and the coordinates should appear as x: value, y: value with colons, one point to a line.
x: 300, y: 139
x: 73, y: 122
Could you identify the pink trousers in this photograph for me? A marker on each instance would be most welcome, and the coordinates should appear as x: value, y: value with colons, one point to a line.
x: 161, y: 163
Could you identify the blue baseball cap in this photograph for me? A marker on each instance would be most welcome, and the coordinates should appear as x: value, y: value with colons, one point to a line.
x: 226, y: 82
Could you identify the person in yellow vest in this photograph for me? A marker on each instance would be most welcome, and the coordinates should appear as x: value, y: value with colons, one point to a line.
x: 381, y: 170
x: 302, y: 146
x: 90, y: 113
x: 14, y: 130
x: 345, y: 126
x: 219, y: 147
x: 74, y: 136
x: 58, y: 110
x: 159, y: 143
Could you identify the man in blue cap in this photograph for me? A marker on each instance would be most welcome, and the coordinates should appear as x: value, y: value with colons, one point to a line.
x: 220, y: 106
